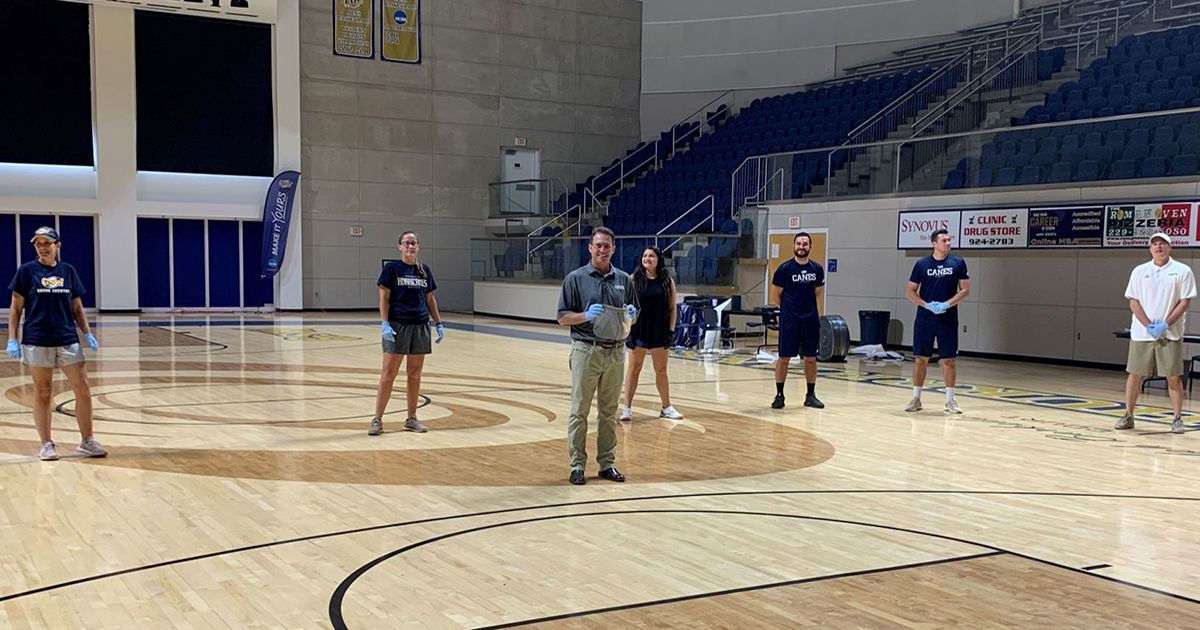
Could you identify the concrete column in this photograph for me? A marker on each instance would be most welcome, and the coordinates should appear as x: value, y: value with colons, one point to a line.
x: 116, y: 154
x: 290, y: 288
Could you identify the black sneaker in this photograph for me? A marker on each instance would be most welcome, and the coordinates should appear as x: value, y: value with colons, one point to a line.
x: 778, y: 402
x: 811, y: 401
x: 577, y: 478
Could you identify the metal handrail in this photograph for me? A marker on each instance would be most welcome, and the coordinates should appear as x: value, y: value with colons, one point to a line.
x: 899, y: 143
x: 675, y: 139
x: 684, y: 214
x: 548, y: 180
x: 711, y: 218
x: 899, y: 101
x: 655, y: 152
x: 978, y: 83
x: 565, y: 233
x: 973, y: 36
x: 1152, y: 6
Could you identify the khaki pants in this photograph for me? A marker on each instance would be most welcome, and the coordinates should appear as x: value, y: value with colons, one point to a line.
x: 598, y: 372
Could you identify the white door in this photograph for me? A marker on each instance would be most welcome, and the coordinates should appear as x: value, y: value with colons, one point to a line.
x: 523, y: 197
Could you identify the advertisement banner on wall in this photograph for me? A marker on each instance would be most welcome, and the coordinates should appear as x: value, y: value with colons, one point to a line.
x: 1132, y: 225
x: 994, y: 229
x: 915, y: 227
x: 400, y: 40
x: 354, y: 28
x: 1066, y: 227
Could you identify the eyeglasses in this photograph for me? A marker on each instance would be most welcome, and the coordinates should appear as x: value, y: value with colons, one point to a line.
x: 410, y: 243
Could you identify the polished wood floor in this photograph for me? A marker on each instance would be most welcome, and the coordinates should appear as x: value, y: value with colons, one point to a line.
x: 243, y: 492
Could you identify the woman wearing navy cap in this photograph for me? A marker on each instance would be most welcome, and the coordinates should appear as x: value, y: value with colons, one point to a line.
x: 48, y: 292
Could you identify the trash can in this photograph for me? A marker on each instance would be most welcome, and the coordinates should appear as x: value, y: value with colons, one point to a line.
x: 873, y: 327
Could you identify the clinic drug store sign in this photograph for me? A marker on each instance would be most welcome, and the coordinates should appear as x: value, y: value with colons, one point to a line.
x: 1054, y: 227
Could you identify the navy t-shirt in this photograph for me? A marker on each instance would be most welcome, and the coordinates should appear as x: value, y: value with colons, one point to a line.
x: 799, y: 283
x: 939, y: 282
x: 406, y: 304
x: 49, y: 293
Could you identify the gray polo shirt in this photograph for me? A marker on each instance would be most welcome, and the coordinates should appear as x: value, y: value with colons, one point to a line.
x: 586, y: 286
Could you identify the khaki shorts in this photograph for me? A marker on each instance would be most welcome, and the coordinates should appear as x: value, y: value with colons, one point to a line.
x: 1162, y: 357
x: 51, y: 356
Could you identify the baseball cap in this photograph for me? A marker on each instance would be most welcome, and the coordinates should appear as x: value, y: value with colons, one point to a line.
x: 1162, y: 235
x: 45, y: 232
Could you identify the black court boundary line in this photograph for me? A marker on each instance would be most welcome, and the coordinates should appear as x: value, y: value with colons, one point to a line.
x: 335, y: 601
x: 528, y: 508
x: 1097, y: 567
x: 745, y: 589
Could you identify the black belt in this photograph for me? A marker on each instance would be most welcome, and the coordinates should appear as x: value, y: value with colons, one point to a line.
x: 602, y: 344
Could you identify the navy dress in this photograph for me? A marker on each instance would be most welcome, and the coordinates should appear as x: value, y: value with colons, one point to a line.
x: 652, y: 328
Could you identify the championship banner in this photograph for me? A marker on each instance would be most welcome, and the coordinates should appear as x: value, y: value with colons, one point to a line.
x: 354, y: 28
x: 998, y: 229
x: 400, y: 28
x: 1132, y: 225
x: 277, y: 217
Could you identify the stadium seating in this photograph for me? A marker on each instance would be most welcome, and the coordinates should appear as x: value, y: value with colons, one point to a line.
x: 1154, y: 72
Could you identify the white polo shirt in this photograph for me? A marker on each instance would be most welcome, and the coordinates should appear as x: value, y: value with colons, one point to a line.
x: 1159, y: 290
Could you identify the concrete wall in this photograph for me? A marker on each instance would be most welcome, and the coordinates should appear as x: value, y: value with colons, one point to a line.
x: 694, y: 49
x: 1061, y: 304
x: 392, y: 147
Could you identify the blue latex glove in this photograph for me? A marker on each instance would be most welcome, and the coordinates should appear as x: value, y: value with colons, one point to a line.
x: 388, y: 333
x: 932, y: 307
x: 441, y: 331
x: 91, y: 341
x: 14, y: 349
x: 1157, y: 329
x: 593, y: 312
x: 631, y: 311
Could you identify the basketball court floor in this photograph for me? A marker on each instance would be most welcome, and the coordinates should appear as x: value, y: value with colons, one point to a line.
x: 243, y: 492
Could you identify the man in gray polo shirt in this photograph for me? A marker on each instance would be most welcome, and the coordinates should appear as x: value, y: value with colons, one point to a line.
x: 597, y: 351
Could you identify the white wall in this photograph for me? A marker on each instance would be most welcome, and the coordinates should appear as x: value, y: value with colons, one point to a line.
x: 1061, y: 304
x: 513, y: 299
x: 117, y: 194
x: 702, y: 47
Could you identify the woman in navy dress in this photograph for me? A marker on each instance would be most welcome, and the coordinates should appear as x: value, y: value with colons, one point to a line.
x: 48, y: 293
x: 653, y: 331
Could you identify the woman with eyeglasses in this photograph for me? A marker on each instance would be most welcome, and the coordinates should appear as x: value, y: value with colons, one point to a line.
x: 406, y: 305
x: 48, y: 293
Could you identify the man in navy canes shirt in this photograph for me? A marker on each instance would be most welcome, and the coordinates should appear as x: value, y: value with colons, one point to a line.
x: 937, y: 285
x: 796, y: 287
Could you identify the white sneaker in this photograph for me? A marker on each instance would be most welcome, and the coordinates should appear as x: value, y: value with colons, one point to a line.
x: 913, y: 405
x: 91, y: 448
x: 627, y: 414
x: 952, y: 407
x: 48, y: 452
x: 669, y: 413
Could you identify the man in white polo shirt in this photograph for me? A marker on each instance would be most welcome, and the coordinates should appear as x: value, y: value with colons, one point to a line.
x: 1159, y: 293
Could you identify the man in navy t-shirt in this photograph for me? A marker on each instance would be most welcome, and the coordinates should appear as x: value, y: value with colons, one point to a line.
x: 796, y: 287
x: 937, y: 285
